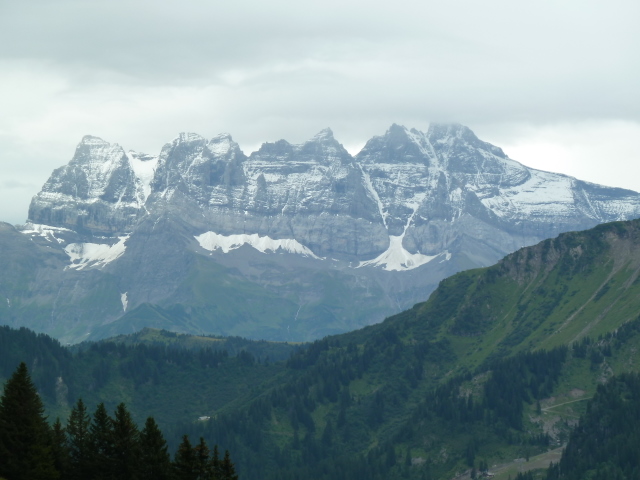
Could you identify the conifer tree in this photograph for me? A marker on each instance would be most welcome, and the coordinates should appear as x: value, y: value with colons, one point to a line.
x: 327, y: 435
x: 79, y: 442
x: 126, y: 445
x: 203, y: 470
x: 60, y: 448
x: 25, y: 438
x: 228, y: 469
x: 184, y: 463
x: 215, y: 464
x: 101, y: 444
x: 155, y: 462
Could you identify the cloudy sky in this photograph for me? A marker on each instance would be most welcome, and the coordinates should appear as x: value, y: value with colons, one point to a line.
x: 555, y: 84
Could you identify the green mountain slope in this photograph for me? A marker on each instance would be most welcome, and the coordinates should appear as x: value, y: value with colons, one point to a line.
x: 555, y: 293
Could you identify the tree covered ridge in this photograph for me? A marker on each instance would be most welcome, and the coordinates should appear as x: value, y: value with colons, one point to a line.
x: 96, y: 447
x: 154, y: 379
x: 332, y: 426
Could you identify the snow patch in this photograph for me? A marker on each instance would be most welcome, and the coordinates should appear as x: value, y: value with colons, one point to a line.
x: 45, y: 231
x: 125, y: 302
x: 213, y: 241
x: 94, y: 254
x: 397, y: 258
x: 543, y: 194
x: 220, y: 144
x: 419, y: 139
x: 374, y: 195
x: 144, y: 167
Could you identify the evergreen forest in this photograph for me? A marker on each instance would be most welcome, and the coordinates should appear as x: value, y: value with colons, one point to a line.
x: 96, y: 446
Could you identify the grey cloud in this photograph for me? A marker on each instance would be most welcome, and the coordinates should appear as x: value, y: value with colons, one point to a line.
x: 455, y: 60
x: 168, y: 41
x: 458, y: 43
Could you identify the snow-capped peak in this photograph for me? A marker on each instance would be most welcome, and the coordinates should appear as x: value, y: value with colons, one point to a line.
x: 322, y: 135
x: 93, y: 140
x: 221, y: 144
x: 188, y: 137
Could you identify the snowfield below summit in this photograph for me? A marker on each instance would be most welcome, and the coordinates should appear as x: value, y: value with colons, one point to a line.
x: 397, y: 258
x: 94, y: 254
x: 212, y: 241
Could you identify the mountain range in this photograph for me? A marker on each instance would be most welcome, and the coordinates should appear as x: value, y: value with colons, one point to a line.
x: 293, y: 242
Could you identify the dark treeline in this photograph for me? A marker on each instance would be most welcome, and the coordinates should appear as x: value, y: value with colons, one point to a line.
x: 261, y: 349
x: 156, y: 380
x: 48, y: 360
x: 319, y: 379
x: 144, y: 363
x: 510, y: 384
x: 95, y: 446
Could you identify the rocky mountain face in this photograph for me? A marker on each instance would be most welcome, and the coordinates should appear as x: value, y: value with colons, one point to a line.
x: 292, y: 242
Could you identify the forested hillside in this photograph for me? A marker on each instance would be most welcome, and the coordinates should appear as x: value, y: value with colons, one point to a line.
x: 167, y: 381
x: 93, y: 447
x: 498, y: 365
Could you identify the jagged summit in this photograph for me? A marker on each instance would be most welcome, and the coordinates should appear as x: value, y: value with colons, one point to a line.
x: 401, y: 181
x: 280, y: 149
x: 397, y: 132
x: 398, y: 145
x: 188, y: 137
x: 222, y: 136
x: 93, y: 140
x: 449, y: 129
x: 97, y: 191
x: 453, y: 135
x: 323, y: 135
